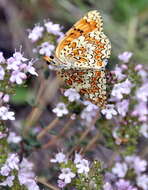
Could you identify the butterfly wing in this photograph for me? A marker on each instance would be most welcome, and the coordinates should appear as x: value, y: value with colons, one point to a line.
x: 85, y: 45
x: 83, y: 50
x: 91, y: 84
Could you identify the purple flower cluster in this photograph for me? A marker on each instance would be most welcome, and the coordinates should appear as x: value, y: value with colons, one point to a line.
x: 17, y: 67
x: 13, y: 71
x: 118, y: 179
x: 45, y: 48
x: 24, y: 169
x: 81, y: 165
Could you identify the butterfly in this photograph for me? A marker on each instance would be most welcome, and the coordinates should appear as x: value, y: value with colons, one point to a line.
x: 81, y: 56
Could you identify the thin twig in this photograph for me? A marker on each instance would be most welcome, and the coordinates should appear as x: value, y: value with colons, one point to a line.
x: 46, y: 96
x: 47, y: 184
x: 92, y: 142
x: 82, y: 137
x: 54, y: 140
x: 48, y: 128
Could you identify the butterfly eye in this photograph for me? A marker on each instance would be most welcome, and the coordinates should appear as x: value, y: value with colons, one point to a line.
x: 51, y: 57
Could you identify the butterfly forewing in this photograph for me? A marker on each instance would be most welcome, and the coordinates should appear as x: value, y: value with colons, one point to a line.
x: 85, y: 45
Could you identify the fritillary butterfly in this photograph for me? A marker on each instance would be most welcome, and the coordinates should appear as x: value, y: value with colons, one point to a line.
x: 80, y: 58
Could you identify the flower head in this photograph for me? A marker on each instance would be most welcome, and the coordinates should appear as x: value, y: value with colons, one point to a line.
x: 122, y: 107
x: 121, y: 88
x: 89, y: 112
x: 124, y: 185
x: 61, y: 183
x: 4, y: 97
x: 142, y: 93
x: 125, y: 56
x: 2, y: 59
x: 13, y: 138
x: 46, y: 49
x: 5, y: 170
x: 109, y: 111
x: 26, y: 176
x: 141, y: 111
x: 8, y: 181
x: 2, y: 73
x: 107, y: 186
x: 60, y: 109
x: 118, y: 73
x: 13, y: 161
x: 144, y: 130
x: 83, y: 166
x: 72, y: 94
x: 59, y: 158
x: 120, y: 169
x: 67, y: 175
x: 36, y: 33
x: 52, y: 28
x: 78, y: 158
x: 142, y: 181
x: 5, y: 114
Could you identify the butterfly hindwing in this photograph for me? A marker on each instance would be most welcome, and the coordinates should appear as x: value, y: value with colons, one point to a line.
x: 91, y: 84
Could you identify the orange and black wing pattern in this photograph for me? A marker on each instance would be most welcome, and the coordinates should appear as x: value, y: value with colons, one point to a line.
x: 83, y: 52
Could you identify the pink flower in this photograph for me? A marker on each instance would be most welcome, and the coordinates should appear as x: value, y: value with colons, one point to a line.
x: 125, y: 56
x: 26, y: 176
x: 118, y: 73
x: 142, y: 181
x: 46, y: 49
x: 60, y: 110
x: 141, y: 111
x: 72, y: 94
x: 67, y: 175
x: 2, y: 73
x: 142, y: 93
x: 13, y: 161
x: 4, y: 97
x: 5, y: 114
x: 18, y: 77
x: 30, y: 69
x: 109, y: 111
x: 18, y: 56
x: 107, y: 186
x: 8, y: 182
x: 5, y: 170
x: 121, y: 88
x: 122, y: 107
x: 144, y: 130
x: 83, y: 166
x: 61, y: 183
x: 124, y: 185
x: 52, y: 28
x: 120, y: 169
x: 138, y: 67
x: 59, y: 158
x: 13, y: 138
x: 13, y: 64
x: 2, y: 135
x: 2, y: 59
x: 36, y: 33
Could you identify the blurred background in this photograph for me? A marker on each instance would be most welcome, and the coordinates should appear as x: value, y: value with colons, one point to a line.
x: 125, y: 23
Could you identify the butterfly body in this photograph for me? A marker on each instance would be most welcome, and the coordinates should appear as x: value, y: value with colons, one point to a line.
x: 80, y: 58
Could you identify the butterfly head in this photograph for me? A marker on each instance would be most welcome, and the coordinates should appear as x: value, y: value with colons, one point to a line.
x: 49, y: 60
